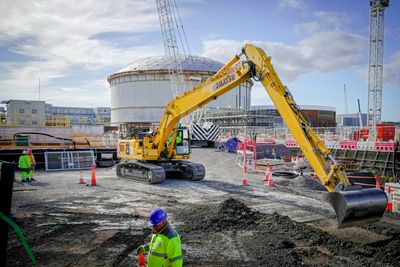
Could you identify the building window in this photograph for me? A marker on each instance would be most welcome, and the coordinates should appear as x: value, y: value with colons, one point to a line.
x: 34, y: 111
x: 21, y: 111
x: 21, y: 122
x: 34, y: 123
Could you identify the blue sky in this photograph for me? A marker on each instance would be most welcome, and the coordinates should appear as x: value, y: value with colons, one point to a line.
x: 317, y: 46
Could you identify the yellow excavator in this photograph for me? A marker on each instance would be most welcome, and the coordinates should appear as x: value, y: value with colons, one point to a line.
x: 164, y: 153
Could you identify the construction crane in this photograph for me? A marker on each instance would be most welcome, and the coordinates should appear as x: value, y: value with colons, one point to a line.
x: 170, y: 21
x: 167, y: 23
x: 375, y: 70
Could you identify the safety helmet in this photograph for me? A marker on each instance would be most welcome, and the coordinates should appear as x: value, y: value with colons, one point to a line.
x: 157, y: 216
x: 24, y: 152
x: 29, y: 150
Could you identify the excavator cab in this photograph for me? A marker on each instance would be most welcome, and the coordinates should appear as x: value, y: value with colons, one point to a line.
x: 182, y: 141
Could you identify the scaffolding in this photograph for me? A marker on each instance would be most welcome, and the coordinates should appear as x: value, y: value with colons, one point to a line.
x: 236, y: 120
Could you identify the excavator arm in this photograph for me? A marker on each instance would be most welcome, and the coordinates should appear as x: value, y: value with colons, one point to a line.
x: 353, y: 205
x: 229, y: 77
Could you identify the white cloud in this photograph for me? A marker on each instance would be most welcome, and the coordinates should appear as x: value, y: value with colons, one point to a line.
x: 294, y: 4
x: 321, y: 52
x: 307, y: 27
x: 391, y: 73
x: 60, y: 37
x: 93, y: 93
x: 334, y: 19
x: 322, y: 21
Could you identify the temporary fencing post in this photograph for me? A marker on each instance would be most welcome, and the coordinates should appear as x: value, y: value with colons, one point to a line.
x: 389, y: 205
x: 244, y: 180
x: 81, y: 181
x: 93, y: 182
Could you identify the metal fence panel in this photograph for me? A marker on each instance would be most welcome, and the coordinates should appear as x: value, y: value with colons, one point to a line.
x: 69, y: 160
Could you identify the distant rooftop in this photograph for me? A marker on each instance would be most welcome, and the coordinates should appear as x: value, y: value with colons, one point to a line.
x: 302, y: 107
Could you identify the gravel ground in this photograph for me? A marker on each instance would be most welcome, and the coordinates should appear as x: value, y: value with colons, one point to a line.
x: 221, y: 222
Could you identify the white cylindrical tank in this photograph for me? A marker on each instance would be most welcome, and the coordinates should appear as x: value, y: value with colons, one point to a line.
x: 140, y: 92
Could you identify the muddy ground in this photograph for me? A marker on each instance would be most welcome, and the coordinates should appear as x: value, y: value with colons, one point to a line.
x: 221, y: 222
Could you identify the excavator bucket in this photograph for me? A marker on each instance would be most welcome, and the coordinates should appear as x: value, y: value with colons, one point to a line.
x: 357, y: 207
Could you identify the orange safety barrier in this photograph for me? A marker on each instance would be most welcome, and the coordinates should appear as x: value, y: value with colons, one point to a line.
x: 348, y: 144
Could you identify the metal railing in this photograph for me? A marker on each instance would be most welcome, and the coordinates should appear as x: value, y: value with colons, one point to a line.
x: 385, y: 133
x: 108, y: 140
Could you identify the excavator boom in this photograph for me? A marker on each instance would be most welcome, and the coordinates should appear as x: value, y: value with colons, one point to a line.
x: 353, y: 205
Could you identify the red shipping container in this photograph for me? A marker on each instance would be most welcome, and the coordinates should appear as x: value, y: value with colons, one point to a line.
x: 385, y: 131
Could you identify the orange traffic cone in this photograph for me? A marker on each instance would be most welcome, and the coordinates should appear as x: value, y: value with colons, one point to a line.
x: 93, y: 182
x: 267, y: 174
x: 270, y: 182
x: 244, y: 180
x: 81, y: 181
x: 389, y: 205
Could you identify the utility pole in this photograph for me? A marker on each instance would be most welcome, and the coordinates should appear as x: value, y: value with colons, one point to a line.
x: 375, y: 70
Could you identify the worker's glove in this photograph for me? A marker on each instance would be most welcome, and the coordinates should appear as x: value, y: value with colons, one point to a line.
x: 140, y: 250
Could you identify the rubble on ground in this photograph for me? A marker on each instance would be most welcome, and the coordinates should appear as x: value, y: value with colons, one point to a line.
x: 68, y: 224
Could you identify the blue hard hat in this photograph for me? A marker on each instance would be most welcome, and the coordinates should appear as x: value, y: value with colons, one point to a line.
x: 157, y: 216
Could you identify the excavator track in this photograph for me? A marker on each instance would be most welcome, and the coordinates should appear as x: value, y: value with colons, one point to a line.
x: 156, y: 172
x: 190, y: 170
x: 141, y: 171
x: 183, y: 169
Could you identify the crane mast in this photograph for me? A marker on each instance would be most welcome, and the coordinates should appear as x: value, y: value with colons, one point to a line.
x: 165, y: 15
x: 375, y: 69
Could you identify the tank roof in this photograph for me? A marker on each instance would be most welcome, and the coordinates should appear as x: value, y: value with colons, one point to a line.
x: 188, y: 63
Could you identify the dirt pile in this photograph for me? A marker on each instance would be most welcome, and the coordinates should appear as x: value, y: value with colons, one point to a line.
x: 262, y: 239
x: 307, y: 183
x: 230, y: 214
x: 83, y: 240
x: 234, y: 213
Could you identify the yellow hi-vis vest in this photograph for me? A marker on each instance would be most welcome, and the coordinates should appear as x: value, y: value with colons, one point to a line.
x: 165, y: 249
x: 24, y: 162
